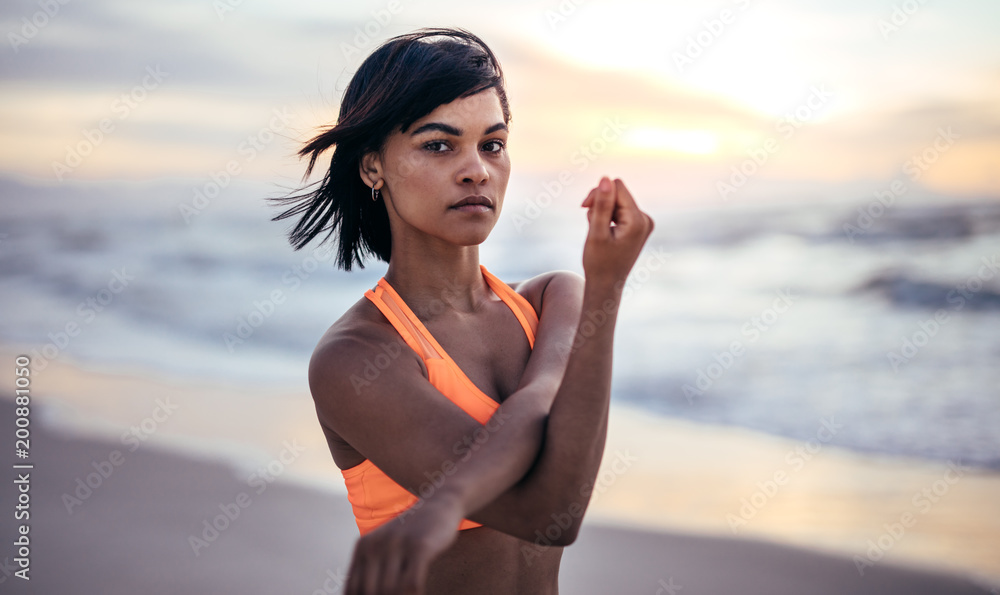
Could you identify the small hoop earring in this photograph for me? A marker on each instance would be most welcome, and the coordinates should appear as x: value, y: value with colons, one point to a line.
x: 375, y: 193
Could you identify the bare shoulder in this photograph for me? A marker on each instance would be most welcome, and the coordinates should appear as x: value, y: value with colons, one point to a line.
x: 361, y: 320
x: 338, y: 362
x: 557, y: 297
x: 567, y: 284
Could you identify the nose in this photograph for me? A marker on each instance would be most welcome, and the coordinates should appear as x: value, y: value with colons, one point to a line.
x: 473, y: 170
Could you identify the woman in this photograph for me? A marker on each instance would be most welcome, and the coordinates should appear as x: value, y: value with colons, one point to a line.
x: 453, y: 493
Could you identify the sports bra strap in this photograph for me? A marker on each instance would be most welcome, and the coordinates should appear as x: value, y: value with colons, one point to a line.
x: 396, y: 311
x: 523, y: 310
x: 413, y: 337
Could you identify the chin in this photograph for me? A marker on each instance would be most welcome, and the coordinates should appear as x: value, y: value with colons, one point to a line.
x: 472, y: 237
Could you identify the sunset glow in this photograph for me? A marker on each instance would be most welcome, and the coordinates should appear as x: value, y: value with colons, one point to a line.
x: 848, y: 94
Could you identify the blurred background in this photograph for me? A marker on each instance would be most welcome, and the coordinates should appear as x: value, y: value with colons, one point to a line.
x: 824, y: 176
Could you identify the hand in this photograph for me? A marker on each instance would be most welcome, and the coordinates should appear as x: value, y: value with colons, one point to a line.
x: 394, y: 558
x: 610, y: 251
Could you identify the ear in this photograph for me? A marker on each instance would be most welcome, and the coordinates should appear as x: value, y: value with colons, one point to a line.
x: 370, y: 168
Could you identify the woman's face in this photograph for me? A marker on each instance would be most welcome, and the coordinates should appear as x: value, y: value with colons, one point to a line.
x: 457, y: 152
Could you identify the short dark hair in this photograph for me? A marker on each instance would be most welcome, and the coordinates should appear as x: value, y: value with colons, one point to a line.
x: 403, y: 80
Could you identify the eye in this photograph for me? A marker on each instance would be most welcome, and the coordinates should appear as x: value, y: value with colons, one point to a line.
x: 493, y: 146
x: 436, y: 146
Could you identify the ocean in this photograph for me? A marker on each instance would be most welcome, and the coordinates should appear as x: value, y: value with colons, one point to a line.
x: 881, y: 325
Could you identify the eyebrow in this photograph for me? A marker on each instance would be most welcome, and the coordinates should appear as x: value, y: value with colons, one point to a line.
x: 448, y: 129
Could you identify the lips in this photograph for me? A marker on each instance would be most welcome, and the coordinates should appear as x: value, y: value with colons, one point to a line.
x: 473, y: 200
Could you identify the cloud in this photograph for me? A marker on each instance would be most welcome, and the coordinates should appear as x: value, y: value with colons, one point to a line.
x: 228, y: 71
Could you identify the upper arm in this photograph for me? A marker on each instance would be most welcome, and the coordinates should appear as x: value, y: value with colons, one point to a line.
x: 389, y: 412
x: 559, y: 297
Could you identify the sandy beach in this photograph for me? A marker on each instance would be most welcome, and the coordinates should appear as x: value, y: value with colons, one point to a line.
x: 177, y: 455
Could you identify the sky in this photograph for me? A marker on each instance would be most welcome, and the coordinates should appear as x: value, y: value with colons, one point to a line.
x: 710, y: 102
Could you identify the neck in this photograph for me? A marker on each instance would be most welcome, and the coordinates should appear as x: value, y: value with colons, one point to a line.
x: 438, y: 278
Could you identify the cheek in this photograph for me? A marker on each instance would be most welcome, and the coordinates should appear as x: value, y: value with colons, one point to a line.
x: 412, y: 182
x: 406, y: 172
x: 418, y: 182
x: 406, y: 165
x: 502, y: 173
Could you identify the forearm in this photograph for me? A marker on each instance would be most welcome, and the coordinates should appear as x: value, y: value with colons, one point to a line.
x: 553, y: 455
x: 499, y: 454
x: 563, y: 476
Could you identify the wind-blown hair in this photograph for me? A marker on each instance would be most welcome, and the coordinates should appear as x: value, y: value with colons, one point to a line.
x: 403, y: 80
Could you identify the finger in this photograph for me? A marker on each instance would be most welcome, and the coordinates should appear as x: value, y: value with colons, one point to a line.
x: 601, y: 208
x: 392, y: 573
x: 589, y: 202
x: 627, y: 212
x: 624, y: 197
x: 590, y: 198
x: 354, y: 575
x: 414, y: 575
x: 625, y: 208
x: 372, y: 573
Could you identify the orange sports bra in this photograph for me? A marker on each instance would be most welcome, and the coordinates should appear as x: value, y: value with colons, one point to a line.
x: 375, y: 498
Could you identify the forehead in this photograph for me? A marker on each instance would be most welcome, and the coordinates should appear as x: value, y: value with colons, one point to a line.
x: 481, y: 108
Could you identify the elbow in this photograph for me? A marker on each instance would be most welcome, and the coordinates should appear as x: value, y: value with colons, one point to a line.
x: 557, y: 528
x: 564, y: 537
x: 568, y: 537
